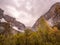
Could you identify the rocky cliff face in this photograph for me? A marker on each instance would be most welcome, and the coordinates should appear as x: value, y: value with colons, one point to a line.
x: 53, y: 15
x: 12, y: 21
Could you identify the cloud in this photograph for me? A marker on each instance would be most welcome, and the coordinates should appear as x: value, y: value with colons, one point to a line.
x: 26, y: 11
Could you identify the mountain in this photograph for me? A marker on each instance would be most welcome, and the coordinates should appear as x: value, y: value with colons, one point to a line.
x: 6, y: 29
x: 53, y: 15
x: 11, y: 20
x: 14, y: 22
x: 1, y: 13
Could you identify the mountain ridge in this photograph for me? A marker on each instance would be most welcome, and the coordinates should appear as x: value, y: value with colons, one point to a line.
x: 11, y: 20
x: 50, y: 15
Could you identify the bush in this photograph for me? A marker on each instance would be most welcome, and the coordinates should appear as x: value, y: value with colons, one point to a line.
x: 43, y: 36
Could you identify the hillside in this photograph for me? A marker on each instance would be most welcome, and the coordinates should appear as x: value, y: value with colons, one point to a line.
x: 53, y: 15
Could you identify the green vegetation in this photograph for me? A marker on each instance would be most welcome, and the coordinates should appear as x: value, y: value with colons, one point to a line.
x: 45, y: 35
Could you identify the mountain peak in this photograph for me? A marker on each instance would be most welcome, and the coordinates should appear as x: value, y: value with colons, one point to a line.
x: 53, y: 14
x: 11, y: 20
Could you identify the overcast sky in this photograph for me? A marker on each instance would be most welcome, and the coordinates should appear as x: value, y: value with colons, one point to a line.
x: 26, y: 11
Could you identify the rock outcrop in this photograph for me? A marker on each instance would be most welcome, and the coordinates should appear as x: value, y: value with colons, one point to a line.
x: 11, y: 20
x: 53, y: 14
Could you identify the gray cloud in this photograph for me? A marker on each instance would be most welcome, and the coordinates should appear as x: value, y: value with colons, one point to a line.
x: 26, y: 11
